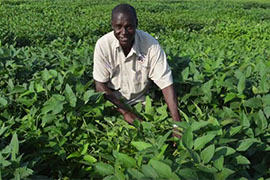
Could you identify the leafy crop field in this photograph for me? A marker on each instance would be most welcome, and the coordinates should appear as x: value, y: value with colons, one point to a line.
x: 53, y: 125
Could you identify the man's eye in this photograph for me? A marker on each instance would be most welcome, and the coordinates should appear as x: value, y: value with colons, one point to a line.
x: 129, y: 28
x: 117, y: 27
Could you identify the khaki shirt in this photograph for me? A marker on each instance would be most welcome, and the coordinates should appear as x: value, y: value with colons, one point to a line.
x: 129, y: 77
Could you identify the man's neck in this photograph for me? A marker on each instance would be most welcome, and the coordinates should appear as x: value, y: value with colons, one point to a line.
x: 126, y: 50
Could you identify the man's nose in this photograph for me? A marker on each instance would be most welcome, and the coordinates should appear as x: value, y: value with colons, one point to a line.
x: 123, y: 30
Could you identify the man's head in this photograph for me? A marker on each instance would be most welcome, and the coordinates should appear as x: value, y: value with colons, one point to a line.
x: 124, y: 23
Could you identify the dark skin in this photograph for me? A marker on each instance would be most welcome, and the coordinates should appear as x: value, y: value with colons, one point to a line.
x: 124, y: 27
x: 128, y: 115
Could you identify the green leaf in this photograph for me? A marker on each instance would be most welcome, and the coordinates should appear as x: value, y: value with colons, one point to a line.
x: 206, y: 88
x: 60, y: 78
x: 207, y: 153
x: 90, y: 159
x: 253, y: 103
x: 202, y: 141
x: 235, y: 130
x: 126, y: 160
x: 229, y: 97
x: 219, y: 163
x: 3, y: 101
x: 198, y: 109
x: 161, y: 139
x: 161, y: 168
x: 241, y: 83
x: 53, y: 72
x: 163, y: 149
x: 39, y: 88
x: 246, y: 143
x: 242, y: 160
x: 4, y: 163
x: 194, y: 155
x: 163, y: 114
x: 266, y: 100
x: 185, y: 73
x: 118, y: 173
x: 148, y: 171
x: 226, y: 141
x: 188, y: 138
x: 261, y: 120
x: 91, y: 95
x: 223, y: 151
x: 147, y: 125
x: 139, y: 107
x: 104, y: 169
x: 47, y: 118
x: 140, y: 145
x: 244, y: 120
x: 207, y: 169
x: 3, y: 129
x: 45, y: 75
x: 174, y: 176
x: 135, y: 173
x: 14, y: 144
x: 74, y: 155
x: 148, y: 106
x: 197, y: 125
x: 87, y: 95
x: 184, y: 115
x: 227, y: 121
x: 224, y: 174
x: 188, y: 173
x: 227, y: 150
x: 54, y: 104
x: 22, y: 172
x: 70, y: 96
x: 85, y: 148
x: 111, y: 177
x: 26, y: 101
x: 266, y: 111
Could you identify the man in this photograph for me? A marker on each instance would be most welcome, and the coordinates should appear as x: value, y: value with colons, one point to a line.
x: 126, y: 59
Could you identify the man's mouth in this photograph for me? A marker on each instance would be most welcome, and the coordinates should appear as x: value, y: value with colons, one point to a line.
x: 124, y: 39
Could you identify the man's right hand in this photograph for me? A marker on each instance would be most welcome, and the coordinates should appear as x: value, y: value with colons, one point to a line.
x: 130, y: 117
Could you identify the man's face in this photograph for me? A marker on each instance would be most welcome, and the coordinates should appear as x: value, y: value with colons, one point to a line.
x: 124, y: 27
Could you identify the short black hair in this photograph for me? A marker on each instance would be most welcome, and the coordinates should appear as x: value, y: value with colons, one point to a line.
x: 125, y: 9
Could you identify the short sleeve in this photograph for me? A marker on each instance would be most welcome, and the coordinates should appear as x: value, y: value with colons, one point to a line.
x: 160, y: 71
x: 100, y: 70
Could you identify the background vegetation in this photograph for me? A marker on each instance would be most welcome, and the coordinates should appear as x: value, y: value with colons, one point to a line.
x: 54, y: 125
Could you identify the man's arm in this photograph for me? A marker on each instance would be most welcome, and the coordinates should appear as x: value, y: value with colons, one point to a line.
x: 171, y: 100
x: 128, y: 116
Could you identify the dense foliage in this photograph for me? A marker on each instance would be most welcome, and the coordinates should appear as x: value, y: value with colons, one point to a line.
x: 54, y: 125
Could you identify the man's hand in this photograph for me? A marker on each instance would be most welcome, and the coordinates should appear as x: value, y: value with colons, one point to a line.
x: 130, y: 117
